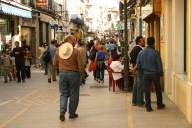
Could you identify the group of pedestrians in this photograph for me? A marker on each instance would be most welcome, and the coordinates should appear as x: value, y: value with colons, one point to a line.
x: 16, y: 63
x: 98, y: 56
x: 146, y: 65
x: 46, y: 55
x: 100, y: 51
x: 71, y: 59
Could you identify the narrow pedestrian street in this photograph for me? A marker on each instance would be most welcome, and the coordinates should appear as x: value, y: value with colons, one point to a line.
x: 35, y: 104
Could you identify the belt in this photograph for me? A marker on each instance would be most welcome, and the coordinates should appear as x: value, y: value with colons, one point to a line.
x: 67, y: 71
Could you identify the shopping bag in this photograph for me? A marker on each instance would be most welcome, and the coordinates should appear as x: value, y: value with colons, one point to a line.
x: 92, y: 66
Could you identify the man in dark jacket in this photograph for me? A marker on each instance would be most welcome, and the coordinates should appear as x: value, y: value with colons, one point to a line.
x: 18, y: 53
x: 137, y: 98
x: 149, y: 61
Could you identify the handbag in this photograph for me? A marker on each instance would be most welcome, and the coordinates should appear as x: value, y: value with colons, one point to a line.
x: 92, y: 66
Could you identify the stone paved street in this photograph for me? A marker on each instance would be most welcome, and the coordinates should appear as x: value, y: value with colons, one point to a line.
x: 35, y: 104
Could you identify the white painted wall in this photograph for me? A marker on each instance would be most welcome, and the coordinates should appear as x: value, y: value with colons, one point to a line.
x: 181, y: 83
x: 168, y: 40
x: 178, y: 36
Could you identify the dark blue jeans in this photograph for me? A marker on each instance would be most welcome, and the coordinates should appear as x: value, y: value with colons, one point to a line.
x: 69, y: 84
x: 147, y: 82
x: 138, y: 98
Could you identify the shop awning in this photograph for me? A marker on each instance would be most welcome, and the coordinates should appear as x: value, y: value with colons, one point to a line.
x: 11, y: 10
x: 151, y: 17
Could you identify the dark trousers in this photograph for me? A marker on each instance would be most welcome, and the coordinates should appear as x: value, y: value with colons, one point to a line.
x: 46, y: 68
x: 147, y: 83
x: 95, y: 74
x: 28, y: 71
x: 20, y: 72
x: 137, y: 98
x: 100, y: 70
x: 83, y: 77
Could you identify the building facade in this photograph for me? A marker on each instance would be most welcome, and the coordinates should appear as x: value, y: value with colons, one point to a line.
x: 176, y: 45
x: 11, y: 14
x: 170, y: 23
x: 28, y: 20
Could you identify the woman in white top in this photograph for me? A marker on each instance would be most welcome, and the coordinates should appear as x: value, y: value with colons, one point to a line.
x: 117, y: 67
x: 117, y: 71
x: 41, y: 50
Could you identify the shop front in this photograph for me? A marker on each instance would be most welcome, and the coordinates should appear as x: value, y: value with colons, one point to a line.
x: 30, y: 33
x: 10, y: 14
x: 4, y: 32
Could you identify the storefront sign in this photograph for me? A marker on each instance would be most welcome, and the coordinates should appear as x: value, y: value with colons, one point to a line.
x: 42, y: 3
x: 11, y: 10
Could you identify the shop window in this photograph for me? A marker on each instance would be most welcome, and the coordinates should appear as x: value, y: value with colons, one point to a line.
x: 4, y: 30
x: 3, y: 26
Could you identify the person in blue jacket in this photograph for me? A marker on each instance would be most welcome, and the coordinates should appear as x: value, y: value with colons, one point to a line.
x: 149, y: 61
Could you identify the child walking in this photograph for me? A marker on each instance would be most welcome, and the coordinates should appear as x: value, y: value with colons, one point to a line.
x: 6, y: 66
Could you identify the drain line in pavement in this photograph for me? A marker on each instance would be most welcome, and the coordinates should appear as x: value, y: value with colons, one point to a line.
x: 130, y: 114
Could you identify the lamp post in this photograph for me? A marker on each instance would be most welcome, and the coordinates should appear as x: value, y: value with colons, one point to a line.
x: 126, y: 58
x: 140, y: 20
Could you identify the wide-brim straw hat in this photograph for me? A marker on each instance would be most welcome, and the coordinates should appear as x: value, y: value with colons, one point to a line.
x: 65, y: 50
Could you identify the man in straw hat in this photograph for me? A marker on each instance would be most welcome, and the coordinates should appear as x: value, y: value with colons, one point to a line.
x: 69, y: 61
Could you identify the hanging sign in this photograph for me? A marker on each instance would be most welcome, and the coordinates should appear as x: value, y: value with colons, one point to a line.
x: 42, y: 3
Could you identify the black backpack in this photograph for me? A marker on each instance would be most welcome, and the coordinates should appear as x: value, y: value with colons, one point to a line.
x: 46, y: 56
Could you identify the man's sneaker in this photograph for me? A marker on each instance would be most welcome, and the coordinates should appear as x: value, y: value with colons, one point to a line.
x: 73, y: 116
x: 62, y: 117
x: 161, y: 106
